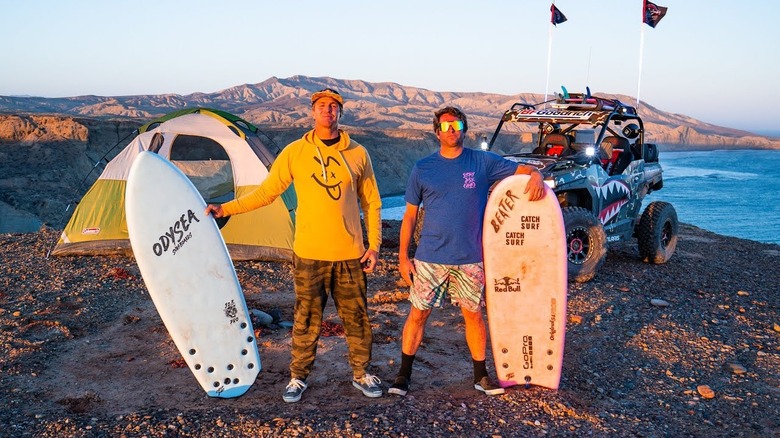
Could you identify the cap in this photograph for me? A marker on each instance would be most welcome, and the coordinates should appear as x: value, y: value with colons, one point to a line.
x: 327, y: 92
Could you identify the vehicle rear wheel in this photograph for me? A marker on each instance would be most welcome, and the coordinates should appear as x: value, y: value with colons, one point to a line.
x: 657, y: 232
x: 586, y: 244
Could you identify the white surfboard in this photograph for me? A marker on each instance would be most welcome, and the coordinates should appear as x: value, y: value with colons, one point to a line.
x: 190, y: 276
x: 524, y: 246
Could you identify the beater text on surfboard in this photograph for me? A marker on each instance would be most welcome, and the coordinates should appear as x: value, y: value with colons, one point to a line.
x: 505, y: 206
x: 527, y: 222
x: 175, y: 237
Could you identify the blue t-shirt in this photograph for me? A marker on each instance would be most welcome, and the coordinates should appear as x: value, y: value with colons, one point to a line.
x: 454, y: 194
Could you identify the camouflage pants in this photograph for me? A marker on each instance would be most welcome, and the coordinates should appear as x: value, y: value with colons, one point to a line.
x: 345, y: 281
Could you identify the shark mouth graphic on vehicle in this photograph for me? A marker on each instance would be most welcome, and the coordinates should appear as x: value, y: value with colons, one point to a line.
x: 614, y: 195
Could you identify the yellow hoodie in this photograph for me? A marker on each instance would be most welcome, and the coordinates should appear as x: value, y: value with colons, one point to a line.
x: 329, y: 181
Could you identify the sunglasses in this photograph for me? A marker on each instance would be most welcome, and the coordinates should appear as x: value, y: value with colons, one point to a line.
x: 457, y: 125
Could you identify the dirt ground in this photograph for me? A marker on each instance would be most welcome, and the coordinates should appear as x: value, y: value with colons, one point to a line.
x: 84, y: 353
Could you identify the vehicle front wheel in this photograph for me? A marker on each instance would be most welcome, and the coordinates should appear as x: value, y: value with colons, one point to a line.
x: 586, y: 244
x: 657, y: 232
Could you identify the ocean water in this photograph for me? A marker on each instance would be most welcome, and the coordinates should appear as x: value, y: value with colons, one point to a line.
x: 729, y: 192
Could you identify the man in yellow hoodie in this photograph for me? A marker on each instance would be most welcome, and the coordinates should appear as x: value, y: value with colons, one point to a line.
x: 331, y: 173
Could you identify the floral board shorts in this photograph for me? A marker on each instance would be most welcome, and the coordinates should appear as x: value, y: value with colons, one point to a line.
x: 465, y: 285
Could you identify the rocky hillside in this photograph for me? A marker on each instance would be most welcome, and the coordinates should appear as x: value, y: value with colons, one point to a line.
x: 283, y: 103
x: 47, y: 162
x: 53, y: 149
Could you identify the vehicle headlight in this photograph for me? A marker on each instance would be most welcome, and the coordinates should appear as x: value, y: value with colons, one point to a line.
x: 550, y: 183
x: 590, y: 151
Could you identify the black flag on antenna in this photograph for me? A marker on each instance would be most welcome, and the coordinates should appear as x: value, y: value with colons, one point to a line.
x: 653, y: 14
x: 556, y: 16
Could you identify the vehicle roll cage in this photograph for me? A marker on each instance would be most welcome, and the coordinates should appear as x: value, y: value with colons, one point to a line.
x: 575, y: 110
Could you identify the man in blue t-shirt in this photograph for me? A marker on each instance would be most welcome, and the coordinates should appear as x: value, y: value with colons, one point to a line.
x: 453, y: 185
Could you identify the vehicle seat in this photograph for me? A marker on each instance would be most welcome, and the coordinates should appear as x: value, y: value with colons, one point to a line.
x: 618, y: 154
x: 554, y: 144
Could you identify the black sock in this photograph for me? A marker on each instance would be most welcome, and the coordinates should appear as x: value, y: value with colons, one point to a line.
x: 479, y: 370
x: 406, y: 366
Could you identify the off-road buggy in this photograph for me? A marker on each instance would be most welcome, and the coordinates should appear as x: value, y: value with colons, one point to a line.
x: 592, y: 153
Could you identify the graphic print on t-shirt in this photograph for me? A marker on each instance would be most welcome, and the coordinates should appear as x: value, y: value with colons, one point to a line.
x: 468, y: 180
x: 333, y: 190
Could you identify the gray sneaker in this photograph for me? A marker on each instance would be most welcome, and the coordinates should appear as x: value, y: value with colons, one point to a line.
x: 400, y: 386
x: 294, y: 390
x: 488, y: 387
x: 369, y: 385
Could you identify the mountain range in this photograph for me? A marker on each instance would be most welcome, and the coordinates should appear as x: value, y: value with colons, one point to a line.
x: 51, y: 149
x: 284, y: 104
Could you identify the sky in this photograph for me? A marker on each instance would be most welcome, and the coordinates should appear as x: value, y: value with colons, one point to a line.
x: 716, y: 60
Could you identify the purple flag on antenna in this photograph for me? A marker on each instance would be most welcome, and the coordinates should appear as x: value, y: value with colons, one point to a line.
x: 556, y: 16
x: 653, y: 14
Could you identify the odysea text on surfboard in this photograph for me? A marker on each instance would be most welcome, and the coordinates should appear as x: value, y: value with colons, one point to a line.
x: 175, y: 234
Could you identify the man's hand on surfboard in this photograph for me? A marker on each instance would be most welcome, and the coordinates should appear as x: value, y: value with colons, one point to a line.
x: 214, y: 210
x: 369, y: 260
x: 535, y: 186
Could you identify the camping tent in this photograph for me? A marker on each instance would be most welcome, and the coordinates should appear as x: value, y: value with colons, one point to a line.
x: 223, y: 155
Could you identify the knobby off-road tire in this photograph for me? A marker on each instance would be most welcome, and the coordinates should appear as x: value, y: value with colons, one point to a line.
x: 586, y: 244
x: 657, y: 232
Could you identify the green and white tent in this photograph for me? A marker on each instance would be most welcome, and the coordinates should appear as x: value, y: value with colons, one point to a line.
x: 223, y: 155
